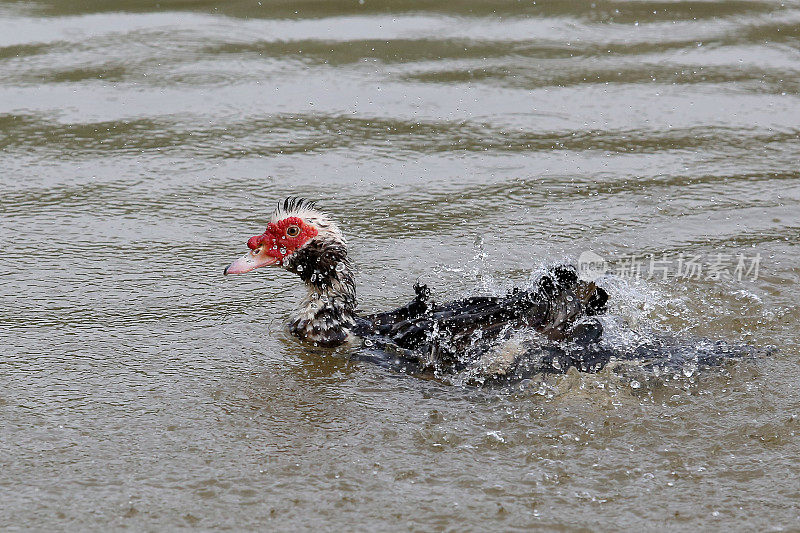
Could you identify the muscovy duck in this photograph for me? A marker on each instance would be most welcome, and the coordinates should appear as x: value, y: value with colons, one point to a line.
x: 450, y: 337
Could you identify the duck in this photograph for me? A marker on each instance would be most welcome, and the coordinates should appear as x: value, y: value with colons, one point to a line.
x: 560, y: 309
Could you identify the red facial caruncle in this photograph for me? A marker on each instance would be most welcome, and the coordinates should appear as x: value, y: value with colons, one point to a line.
x: 281, y: 239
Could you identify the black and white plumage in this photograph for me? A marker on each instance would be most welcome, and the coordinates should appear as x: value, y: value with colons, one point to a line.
x: 327, y: 315
x: 429, y: 336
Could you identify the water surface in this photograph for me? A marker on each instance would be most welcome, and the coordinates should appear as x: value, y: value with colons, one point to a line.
x: 466, y: 144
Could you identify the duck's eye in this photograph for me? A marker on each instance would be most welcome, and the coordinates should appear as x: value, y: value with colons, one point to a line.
x: 293, y: 231
x: 257, y: 251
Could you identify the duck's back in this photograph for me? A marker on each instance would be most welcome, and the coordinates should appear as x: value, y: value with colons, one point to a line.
x: 444, y: 336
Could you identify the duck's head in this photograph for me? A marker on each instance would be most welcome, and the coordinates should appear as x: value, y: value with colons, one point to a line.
x: 298, y: 237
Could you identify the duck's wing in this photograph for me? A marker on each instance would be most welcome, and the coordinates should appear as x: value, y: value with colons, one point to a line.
x: 569, y: 299
x: 442, y: 334
x: 382, y: 323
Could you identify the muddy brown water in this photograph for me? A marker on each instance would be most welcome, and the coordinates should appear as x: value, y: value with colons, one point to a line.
x: 465, y: 144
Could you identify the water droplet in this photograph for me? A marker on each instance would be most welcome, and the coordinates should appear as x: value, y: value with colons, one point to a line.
x: 496, y: 436
x: 635, y: 384
x: 368, y: 342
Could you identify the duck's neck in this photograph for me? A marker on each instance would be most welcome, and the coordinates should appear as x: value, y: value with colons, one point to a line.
x: 327, y: 315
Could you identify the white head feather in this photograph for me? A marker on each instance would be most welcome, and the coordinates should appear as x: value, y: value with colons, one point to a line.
x: 308, y: 212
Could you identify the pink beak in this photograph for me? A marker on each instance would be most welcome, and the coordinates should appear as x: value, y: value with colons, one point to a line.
x: 251, y: 261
